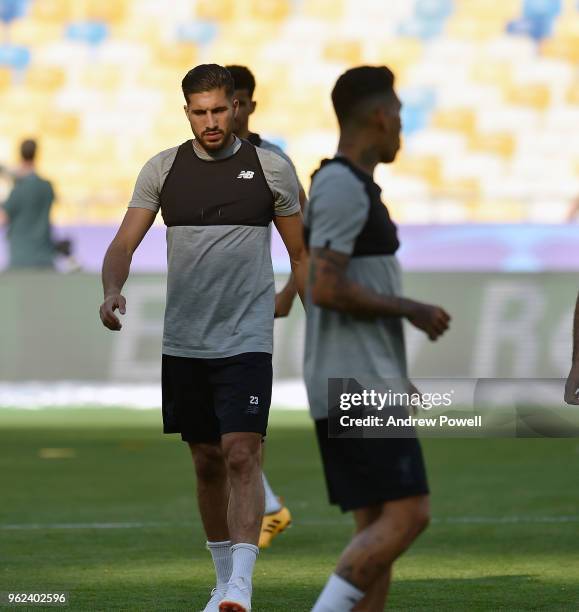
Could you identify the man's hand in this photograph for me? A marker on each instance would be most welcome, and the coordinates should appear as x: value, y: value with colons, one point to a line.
x: 107, y: 311
x: 572, y: 386
x: 432, y: 320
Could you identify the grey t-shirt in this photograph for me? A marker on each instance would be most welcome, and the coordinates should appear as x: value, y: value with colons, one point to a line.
x: 220, y: 285
x: 340, y: 345
x: 270, y: 146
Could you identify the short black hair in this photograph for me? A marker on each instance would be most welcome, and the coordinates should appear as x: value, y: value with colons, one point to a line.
x: 359, y: 85
x: 207, y: 77
x: 243, y: 78
x: 28, y: 149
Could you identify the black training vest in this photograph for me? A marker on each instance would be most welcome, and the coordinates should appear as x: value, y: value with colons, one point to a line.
x: 231, y: 191
x: 379, y: 236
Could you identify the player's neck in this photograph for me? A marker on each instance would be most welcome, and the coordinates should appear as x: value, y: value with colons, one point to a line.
x: 364, y: 157
x: 243, y: 132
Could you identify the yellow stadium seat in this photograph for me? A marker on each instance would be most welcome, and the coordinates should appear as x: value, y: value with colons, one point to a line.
x: 269, y: 10
x: 343, y: 51
x: 463, y: 188
x: 399, y: 54
x: 216, y: 10
x: 477, y: 9
x: 573, y: 94
x: 426, y: 167
x: 534, y: 95
x: 501, y: 211
x: 566, y: 48
x: 59, y: 11
x: 102, y: 77
x: 111, y: 11
x: 45, y: 79
x: 61, y: 125
x: 323, y: 9
x: 5, y: 79
x: 458, y: 119
x: 502, y: 144
x: 472, y: 28
x: 33, y: 33
x: 177, y: 57
x: 494, y: 73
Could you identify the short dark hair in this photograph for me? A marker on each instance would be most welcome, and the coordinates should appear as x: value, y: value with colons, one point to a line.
x: 243, y: 78
x: 207, y: 77
x: 359, y: 85
x: 28, y: 149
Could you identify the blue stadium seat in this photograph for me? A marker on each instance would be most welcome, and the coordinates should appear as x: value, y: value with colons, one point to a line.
x: 417, y: 104
x: 536, y: 28
x: 14, y: 57
x: 433, y: 9
x: 198, y: 32
x: 12, y: 9
x: 421, y: 28
x: 90, y: 32
x: 541, y: 8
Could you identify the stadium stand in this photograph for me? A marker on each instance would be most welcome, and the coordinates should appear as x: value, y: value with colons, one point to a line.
x: 490, y: 92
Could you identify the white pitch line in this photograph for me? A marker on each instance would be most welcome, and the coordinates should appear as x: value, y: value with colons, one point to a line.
x: 452, y: 520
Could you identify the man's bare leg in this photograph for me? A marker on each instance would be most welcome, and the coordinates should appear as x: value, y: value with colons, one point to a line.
x: 213, y: 499
x: 242, y: 454
x: 368, y: 558
x: 212, y: 489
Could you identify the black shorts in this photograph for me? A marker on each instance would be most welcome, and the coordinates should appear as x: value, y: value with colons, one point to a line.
x: 206, y: 398
x: 364, y: 472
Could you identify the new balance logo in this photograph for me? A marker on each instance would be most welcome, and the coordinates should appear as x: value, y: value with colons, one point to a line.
x: 246, y: 174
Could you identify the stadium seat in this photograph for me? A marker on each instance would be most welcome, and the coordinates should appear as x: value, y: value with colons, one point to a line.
x: 89, y: 32
x: 541, y: 8
x: 5, y: 79
x: 460, y: 119
x: 323, y: 9
x: 10, y: 10
x: 216, y: 10
x: 46, y: 79
x: 497, y: 143
x: 536, y: 96
x: 57, y: 11
x: 14, y: 57
x: 348, y: 52
x: 197, y: 32
x: 266, y: 10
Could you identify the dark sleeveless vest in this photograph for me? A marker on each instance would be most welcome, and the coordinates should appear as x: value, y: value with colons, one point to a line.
x: 231, y: 191
x: 379, y: 236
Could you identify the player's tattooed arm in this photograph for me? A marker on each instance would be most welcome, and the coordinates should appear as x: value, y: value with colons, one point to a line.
x: 117, y: 263
x: 331, y: 288
x: 572, y: 384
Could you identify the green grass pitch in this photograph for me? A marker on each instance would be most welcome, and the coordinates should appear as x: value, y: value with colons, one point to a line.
x: 115, y: 524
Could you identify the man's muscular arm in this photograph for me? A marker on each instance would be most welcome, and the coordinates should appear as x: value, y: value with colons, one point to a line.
x: 117, y: 263
x: 332, y: 289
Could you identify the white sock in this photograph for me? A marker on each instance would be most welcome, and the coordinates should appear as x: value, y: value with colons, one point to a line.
x: 338, y: 596
x: 222, y: 559
x: 272, y: 504
x: 244, y: 557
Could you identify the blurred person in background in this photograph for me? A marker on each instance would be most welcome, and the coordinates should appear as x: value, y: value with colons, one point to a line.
x: 277, y: 517
x: 572, y: 385
x: 26, y: 214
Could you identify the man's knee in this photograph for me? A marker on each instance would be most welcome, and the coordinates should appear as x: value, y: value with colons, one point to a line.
x: 242, y: 454
x: 411, y: 515
x: 208, y: 459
